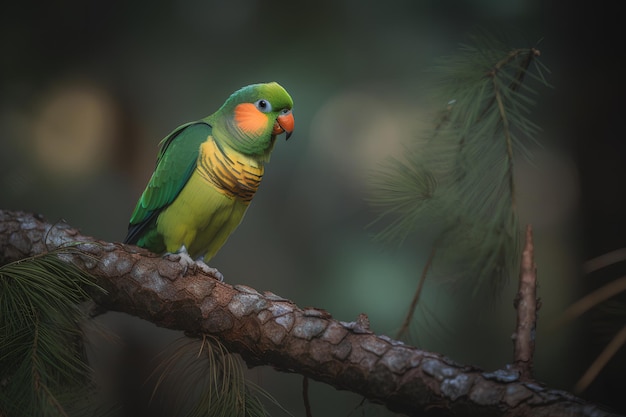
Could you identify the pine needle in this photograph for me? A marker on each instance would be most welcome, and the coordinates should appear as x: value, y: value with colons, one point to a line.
x: 42, y: 363
x: 208, y: 380
x: 611, y: 314
x: 618, y: 341
x: 459, y: 182
x: 604, y: 260
x: 592, y: 300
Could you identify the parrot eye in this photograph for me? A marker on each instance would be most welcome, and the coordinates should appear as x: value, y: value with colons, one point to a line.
x: 263, y: 105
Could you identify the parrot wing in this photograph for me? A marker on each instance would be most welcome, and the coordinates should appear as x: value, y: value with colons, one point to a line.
x: 176, y: 162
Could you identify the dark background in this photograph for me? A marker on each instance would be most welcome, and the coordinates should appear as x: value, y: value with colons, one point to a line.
x: 88, y: 88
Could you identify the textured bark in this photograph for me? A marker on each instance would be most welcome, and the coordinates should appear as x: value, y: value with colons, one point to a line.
x: 526, y: 305
x: 266, y: 329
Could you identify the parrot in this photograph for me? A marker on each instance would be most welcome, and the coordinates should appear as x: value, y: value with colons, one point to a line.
x: 206, y: 174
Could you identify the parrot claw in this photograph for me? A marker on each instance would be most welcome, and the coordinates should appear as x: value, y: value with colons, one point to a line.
x: 209, y: 270
x: 182, y: 258
x: 186, y: 261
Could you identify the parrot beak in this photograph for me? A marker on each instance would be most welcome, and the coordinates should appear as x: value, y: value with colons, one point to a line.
x: 284, y: 123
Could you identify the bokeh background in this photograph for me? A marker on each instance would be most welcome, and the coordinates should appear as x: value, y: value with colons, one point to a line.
x: 88, y: 89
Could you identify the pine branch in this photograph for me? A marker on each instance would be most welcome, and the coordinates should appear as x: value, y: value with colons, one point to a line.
x: 266, y: 329
x: 458, y: 181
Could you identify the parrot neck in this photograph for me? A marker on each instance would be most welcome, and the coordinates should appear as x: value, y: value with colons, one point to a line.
x: 230, y: 172
x: 255, y: 145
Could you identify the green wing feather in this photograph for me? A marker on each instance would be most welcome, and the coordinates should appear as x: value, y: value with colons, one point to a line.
x: 175, y: 163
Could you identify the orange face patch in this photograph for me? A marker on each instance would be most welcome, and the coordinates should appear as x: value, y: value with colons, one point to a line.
x: 249, y: 119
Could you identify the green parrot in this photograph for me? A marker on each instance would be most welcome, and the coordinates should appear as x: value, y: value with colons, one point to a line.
x: 207, y: 173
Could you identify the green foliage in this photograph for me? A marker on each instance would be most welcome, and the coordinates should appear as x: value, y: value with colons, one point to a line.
x: 205, y: 379
x: 43, y: 370
x: 458, y: 184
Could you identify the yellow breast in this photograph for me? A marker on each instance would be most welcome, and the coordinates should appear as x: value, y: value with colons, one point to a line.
x: 230, y: 172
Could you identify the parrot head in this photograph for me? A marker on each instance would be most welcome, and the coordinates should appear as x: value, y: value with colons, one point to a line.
x: 252, y: 117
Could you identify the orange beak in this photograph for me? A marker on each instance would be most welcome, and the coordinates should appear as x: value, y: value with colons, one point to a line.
x: 284, y: 123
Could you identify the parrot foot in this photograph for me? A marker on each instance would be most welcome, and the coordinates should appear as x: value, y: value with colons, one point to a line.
x: 186, y: 261
x: 209, y: 270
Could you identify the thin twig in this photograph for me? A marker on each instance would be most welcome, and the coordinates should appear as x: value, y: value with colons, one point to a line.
x: 519, y: 77
x: 526, y: 305
x: 521, y: 73
x: 509, y: 141
x: 517, y: 81
x: 418, y: 292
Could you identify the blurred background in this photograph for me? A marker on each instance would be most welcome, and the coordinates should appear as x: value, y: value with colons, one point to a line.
x: 89, y: 88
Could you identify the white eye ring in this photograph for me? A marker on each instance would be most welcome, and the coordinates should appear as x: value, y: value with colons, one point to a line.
x: 263, y: 105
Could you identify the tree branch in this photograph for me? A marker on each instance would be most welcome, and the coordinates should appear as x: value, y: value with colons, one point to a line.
x: 266, y: 329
